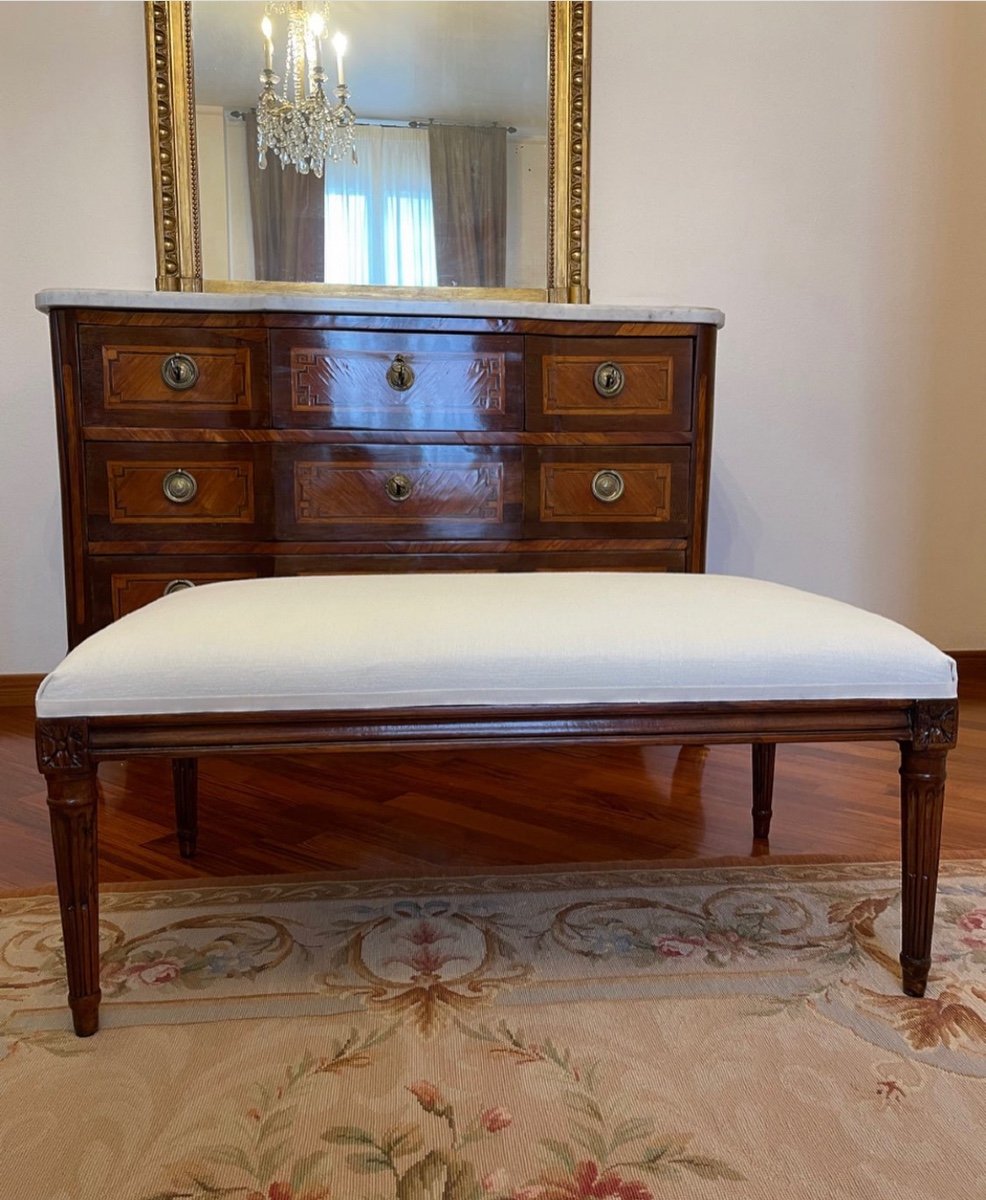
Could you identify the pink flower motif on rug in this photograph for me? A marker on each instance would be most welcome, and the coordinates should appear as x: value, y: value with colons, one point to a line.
x: 674, y: 946
x: 974, y: 924
x: 161, y: 970
x: 283, y: 1191
x: 587, y: 1182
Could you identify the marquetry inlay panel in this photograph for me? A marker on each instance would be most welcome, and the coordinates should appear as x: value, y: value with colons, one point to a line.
x: 566, y: 493
x: 356, y: 493
x: 224, y: 493
x: 648, y: 387
x: 132, y: 591
x: 133, y: 379
x: 352, y: 386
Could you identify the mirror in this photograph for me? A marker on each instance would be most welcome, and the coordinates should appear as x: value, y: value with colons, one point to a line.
x: 468, y: 116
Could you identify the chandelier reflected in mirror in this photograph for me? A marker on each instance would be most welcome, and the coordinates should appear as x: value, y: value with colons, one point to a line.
x: 300, y: 126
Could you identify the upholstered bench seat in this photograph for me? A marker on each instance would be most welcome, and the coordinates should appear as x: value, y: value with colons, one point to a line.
x: 429, y: 660
x: 355, y: 642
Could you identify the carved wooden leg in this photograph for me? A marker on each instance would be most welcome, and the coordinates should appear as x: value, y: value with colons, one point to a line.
x: 763, y: 787
x: 922, y: 792
x: 185, y: 774
x: 72, y: 809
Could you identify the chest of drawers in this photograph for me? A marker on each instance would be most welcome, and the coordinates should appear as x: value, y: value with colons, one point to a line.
x: 221, y: 437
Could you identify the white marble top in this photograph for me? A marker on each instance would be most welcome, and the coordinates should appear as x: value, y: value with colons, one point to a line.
x: 304, y: 302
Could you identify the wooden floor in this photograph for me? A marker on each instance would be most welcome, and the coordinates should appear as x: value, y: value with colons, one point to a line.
x: 406, y: 814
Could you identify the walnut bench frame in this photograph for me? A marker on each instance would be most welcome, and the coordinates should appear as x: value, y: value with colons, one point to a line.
x: 70, y: 749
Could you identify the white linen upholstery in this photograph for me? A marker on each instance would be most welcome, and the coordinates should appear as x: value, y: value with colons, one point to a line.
x: 365, y: 641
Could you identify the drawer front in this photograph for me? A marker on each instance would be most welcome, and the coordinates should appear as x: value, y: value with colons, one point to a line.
x: 182, y: 491
x: 609, y: 383
x: 176, y: 377
x: 461, y: 563
x: 353, y: 380
x: 121, y: 585
x: 401, y: 491
x: 620, y: 490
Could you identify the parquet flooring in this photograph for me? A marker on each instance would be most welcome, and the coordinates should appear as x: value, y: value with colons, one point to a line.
x: 401, y: 814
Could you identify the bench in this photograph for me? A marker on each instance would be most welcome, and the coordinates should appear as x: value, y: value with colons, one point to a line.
x: 435, y: 661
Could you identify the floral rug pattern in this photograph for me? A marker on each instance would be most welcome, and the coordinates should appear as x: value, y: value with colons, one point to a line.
x: 631, y: 1034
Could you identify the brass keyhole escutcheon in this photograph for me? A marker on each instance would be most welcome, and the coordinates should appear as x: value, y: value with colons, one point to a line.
x: 179, y: 372
x: 179, y: 486
x: 608, y: 379
x: 177, y: 585
x: 398, y: 487
x: 400, y: 374
x: 607, y: 486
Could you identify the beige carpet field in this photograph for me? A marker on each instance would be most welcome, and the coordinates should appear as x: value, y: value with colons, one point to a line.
x: 733, y: 1032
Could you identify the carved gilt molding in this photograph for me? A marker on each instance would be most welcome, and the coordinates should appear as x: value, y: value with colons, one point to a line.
x: 171, y: 100
x: 568, y: 154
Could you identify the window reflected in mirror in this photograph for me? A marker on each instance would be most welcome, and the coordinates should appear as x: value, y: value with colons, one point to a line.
x: 450, y: 182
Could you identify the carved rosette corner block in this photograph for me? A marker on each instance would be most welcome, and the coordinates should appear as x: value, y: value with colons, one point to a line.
x: 935, y: 724
x: 62, y: 746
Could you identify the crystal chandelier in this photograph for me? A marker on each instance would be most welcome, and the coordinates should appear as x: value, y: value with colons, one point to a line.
x: 301, y: 127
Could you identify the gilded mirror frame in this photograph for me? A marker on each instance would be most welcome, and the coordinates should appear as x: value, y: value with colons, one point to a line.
x: 175, y: 174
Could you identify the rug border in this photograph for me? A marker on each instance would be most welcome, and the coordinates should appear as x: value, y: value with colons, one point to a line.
x: 439, y: 876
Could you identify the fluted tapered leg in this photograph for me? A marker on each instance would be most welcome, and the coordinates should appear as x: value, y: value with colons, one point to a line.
x: 185, y: 776
x: 763, y: 788
x: 922, y: 793
x: 72, y: 809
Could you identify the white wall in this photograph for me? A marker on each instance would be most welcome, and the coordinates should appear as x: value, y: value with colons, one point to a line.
x: 815, y: 170
x: 75, y: 211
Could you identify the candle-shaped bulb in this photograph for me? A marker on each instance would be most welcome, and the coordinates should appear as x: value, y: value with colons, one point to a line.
x: 267, y: 29
x: 340, y: 43
x: 316, y: 26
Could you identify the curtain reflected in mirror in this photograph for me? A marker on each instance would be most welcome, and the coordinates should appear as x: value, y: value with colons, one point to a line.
x: 450, y: 186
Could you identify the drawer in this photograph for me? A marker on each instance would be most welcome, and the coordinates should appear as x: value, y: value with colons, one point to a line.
x: 578, y: 383
x: 398, y: 491
x: 122, y: 584
x: 619, y: 490
x: 148, y: 490
x: 173, y: 377
x: 356, y: 380
x: 414, y: 560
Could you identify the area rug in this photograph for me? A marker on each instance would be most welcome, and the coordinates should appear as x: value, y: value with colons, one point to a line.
x: 635, y: 1034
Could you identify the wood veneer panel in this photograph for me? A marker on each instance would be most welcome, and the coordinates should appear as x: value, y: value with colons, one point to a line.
x: 453, y: 491
x: 126, y: 500
x: 656, y: 495
x: 340, y: 380
x: 123, y: 385
x: 656, y: 392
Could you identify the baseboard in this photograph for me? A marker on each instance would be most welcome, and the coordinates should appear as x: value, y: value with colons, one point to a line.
x: 17, y: 691
x: 972, y: 671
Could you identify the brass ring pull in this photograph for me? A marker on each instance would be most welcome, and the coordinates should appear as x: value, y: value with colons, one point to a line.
x: 177, y: 585
x: 400, y: 374
x: 607, y: 486
x: 179, y: 372
x: 608, y: 379
x: 179, y: 486
x: 398, y: 487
